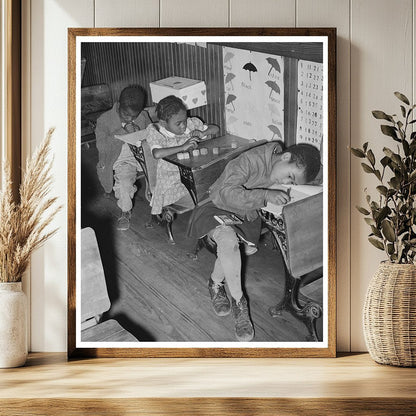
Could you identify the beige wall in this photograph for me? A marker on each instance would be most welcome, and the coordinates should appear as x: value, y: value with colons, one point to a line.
x: 375, y: 57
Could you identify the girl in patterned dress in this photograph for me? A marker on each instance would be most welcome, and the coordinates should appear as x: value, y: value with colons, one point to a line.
x: 174, y: 133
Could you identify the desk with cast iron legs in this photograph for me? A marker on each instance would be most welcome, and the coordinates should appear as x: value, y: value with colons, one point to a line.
x: 298, y: 231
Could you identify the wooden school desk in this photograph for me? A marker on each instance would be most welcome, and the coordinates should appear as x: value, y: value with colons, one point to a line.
x: 298, y: 231
x: 198, y: 173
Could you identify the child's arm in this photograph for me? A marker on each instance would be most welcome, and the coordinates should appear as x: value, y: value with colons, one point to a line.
x: 277, y: 196
x: 230, y: 189
x: 160, y: 152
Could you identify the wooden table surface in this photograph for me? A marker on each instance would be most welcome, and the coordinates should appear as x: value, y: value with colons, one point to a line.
x: 350, y: 384
x: 225, y: 151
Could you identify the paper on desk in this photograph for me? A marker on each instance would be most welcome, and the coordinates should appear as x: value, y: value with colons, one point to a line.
x: 134, y: 138
x: 297, y: 192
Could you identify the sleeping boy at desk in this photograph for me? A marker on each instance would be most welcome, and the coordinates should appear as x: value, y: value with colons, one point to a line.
x: 244, y: 187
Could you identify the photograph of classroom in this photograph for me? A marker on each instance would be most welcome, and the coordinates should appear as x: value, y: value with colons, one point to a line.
x: 144, y: 277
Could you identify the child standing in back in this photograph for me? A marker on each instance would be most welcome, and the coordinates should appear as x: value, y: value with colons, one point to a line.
x: 175, y: 132
x: 117, y: 167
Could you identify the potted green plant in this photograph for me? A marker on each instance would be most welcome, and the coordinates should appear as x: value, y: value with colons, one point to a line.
x: 23, y: 229
x: 390, y: 306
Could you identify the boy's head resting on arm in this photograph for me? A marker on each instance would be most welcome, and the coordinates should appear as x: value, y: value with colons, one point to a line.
x: 296, y: 165
x: 171, y: 112
x: 131, y: 103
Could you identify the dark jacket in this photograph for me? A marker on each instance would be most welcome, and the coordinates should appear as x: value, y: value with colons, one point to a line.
x: 242, y: 186
x: 109, y: 148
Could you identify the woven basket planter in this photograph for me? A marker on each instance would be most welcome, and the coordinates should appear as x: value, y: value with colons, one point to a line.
x: 390, y: 315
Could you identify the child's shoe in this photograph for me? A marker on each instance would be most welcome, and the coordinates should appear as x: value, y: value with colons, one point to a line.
x: 123, y: 223
x: 219, y: 298
x: 244, y: 330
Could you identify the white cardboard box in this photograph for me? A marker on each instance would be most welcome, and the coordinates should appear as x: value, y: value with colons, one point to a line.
x: 193, y: 92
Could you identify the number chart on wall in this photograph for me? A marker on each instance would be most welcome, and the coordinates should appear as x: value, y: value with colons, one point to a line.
x: 310, y: 99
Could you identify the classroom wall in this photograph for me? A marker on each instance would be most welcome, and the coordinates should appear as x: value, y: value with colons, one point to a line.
x: 108, y: 64
x: 375, y: 57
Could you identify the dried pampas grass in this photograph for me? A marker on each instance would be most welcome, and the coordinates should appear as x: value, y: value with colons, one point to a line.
x: 23, y: 224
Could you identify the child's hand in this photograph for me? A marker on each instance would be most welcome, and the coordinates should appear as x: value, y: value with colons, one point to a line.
x: 198, y: 134
x: 277, y: 197
x: 191, y: 143
x: 131, y: 127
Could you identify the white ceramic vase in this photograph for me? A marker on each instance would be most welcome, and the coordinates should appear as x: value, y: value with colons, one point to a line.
x: 13, y: 325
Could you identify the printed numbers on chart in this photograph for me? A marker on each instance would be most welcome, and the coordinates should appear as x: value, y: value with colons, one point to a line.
x: 310, y: 97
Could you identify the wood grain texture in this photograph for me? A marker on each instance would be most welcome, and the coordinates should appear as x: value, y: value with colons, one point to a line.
x: 209, y: 406
x: 156, y: 309
x: 13, y: 73
x: 347, y: 385
x: 71, y: 300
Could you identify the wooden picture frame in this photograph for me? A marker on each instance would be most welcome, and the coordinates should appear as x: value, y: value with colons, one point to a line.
x: 10, y: 143
x: 307, y: 112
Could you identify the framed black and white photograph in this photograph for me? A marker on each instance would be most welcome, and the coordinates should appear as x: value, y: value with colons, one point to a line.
x: 202, y: 186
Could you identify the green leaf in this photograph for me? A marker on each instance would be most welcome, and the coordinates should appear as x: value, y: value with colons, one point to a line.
x: 388, y: 152
x: 366, y: 168
x: 378, y: 174
x: 382, y: 214
x: 357, y: 152
x: 376, y: 231
x: 402, y: 97
x: 389, y: 131
x: 390, y: 248
x: 374, y: 205
x: 385, y: 161
x: 381, y: 115
x: 412, y: 176
x: 369, y: 221
x: 394, y: 183
x: 403, y: 111
x: 406, y: 147
x: 388, y: 230
x: 376, y: 243
x: 382, y: 189
x: 365, y: 145
x: 362, y: 210
x: 371, y: 158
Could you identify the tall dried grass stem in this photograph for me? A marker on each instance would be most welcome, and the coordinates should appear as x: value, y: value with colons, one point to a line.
x: 23, y: 225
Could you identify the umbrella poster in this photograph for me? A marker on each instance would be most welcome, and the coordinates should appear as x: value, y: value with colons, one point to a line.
x: 253, y: 85
x: 310, y: 89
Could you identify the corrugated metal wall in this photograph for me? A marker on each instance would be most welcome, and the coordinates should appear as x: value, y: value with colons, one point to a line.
x: 121, y: 64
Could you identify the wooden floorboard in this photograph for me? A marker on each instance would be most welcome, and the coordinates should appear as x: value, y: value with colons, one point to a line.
x: 159, y: 293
